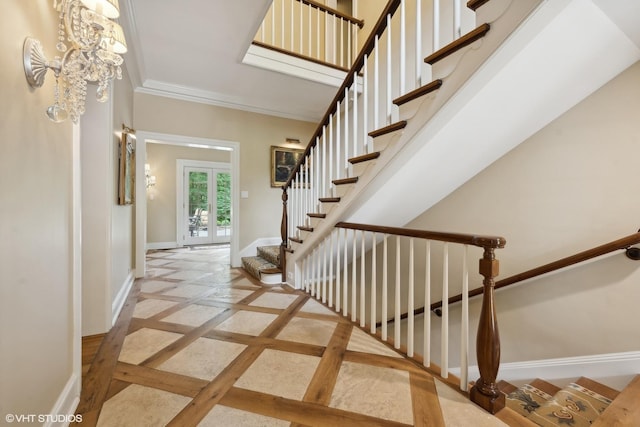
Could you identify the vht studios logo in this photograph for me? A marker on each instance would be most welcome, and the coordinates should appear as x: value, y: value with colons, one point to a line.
x: 43, y: 418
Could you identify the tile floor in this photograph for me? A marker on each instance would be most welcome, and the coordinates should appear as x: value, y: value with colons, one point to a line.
x: 201, y: 344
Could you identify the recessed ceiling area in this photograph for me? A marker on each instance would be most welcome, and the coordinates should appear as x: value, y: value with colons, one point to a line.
x: 193, y: 50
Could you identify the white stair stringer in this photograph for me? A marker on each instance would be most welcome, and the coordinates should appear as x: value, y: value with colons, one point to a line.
x: 500, y: 93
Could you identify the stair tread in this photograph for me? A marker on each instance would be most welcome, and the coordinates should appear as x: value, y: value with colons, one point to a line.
x: 388, y: 129
x: 624, y: 411
x: 599, y: 388
x: 513, y: 418
x: 344, y: 181
x: 475, y: 4
x: 458, y: 44
x: 417, y: 93
x: 317, y: 215
x: 255, y: 265
x: 329, y: 199
x: 296, y: 240
x: 304, y: 228
x: 364, y: 157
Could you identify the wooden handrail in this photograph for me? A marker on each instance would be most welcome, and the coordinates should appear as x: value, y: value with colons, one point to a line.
x: 378, y: 29
x: 465, y: 239
x: 615, y: 245
x: 320, y: 6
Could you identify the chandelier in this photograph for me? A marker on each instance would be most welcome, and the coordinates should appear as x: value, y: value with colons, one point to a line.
x: 90, y: 44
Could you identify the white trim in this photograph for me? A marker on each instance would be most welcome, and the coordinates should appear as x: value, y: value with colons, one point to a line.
x: 121, y: 297
x: 269, y: 59
x: 67, y: 402
x: 183, y: 93
x: 613, y: 369
x: 145, y: 137
x: 162, y: 245
x: 70, y: 397
x: 252, y: 248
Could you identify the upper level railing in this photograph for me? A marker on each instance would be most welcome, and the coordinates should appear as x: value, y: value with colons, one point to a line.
x: 368, y: 273
x: 312, y: 31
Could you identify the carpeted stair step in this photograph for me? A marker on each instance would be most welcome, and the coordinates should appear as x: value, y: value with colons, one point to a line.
x: 576, y: 405
x: 530, y: 397
x: 270, y: 253
x: 255, y: 265
x: 579, y: 404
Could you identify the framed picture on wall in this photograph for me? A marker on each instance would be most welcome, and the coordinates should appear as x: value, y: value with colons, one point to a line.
x: 126, y: 179
x: 283, y: 162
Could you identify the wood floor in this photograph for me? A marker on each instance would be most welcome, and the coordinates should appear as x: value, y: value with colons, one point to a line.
x: 199, y: 343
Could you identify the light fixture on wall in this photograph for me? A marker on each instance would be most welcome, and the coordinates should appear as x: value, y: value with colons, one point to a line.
x: 90, y: 43
x: 150, y: 180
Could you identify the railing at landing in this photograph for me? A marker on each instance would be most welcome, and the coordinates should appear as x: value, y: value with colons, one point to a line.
x: 311, y: 31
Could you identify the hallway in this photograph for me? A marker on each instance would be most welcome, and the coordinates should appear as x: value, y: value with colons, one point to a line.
x: 199, y: 343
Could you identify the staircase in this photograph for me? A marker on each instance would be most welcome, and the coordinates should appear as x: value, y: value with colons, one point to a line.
x: 265, y: 265
x: 581, y: 403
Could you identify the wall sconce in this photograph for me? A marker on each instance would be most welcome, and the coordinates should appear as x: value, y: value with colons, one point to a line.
x: 150, y: 180
x: 95, y: 45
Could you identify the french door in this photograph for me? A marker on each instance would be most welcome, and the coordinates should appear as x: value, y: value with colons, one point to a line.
x: 206, y: 205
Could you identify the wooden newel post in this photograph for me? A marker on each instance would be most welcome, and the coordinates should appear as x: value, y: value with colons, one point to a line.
x: 284, y: 234
x: 485, y: 392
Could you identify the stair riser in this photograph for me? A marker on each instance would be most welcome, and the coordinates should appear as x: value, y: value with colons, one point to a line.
x: 409, y: 109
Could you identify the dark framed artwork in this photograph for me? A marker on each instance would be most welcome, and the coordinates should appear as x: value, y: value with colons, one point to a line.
x: 283, y: 162
x: 126, y: 179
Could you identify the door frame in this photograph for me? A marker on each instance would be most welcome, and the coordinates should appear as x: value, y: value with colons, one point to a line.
x: 181, y: 164
x: 144, y: 137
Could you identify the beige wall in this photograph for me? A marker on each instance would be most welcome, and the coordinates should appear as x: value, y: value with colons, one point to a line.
x: 260, y: 213
x: 36, y: 253
x: 570, y: 187
x: 122, y: 217
x: 161, y: 211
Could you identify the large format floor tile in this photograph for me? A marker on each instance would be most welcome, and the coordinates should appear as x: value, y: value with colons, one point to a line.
x: 200, y: 343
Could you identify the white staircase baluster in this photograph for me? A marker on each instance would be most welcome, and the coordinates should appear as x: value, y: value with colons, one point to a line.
x: 385, y: 299
x: 436, y: 25
x: 426, y: 333
x: 346, y: 131
x: 309, y: 32
x: 338, y: 142
x: 282, y: 7
x: 318, y: 34
x: 464, y: 324
x: 355, y: 115
x: 396, y: 335
x: 354, y: 280
x: 341, y: 42
x: 389, y: 60
x: 410, y: 302
x: 418, y: 43
x: 345, y: 269
x: 374, y: 287
x: 367, y: 148
x: 376, y: 84
x: 338, y: 275
x: 323, y: 189
x: 300, y: 32
x: 331, y: 237
x: 329, y: 190
x: 444, y: 362
x: 456, y: 20
x: 363, y: 317
x: 403, y: 48
x: 326, y: 36
x: 292, y: 34
x: 324, y: 270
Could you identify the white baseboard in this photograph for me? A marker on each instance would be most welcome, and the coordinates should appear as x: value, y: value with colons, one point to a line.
x: 615, y: 370
x: 62, y: 412
x: 121, y: 297
x: 252, y: 248
x: 162, y: 245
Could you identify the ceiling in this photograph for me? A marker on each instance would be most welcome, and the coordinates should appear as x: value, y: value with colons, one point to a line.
x: 193, y: 50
